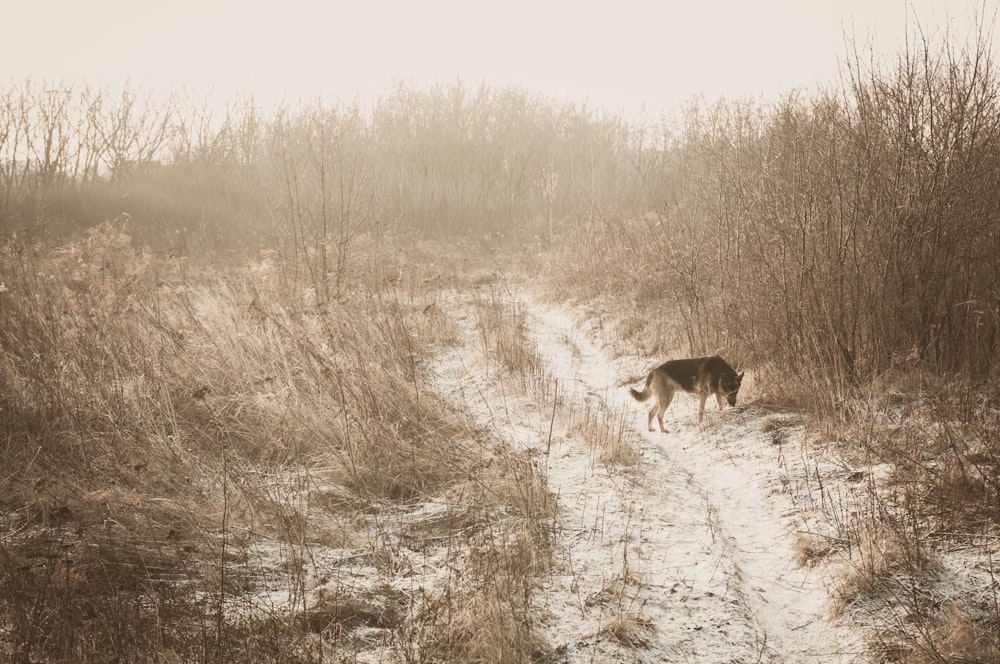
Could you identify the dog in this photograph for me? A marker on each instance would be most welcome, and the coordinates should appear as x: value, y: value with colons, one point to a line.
x: 702, y: 376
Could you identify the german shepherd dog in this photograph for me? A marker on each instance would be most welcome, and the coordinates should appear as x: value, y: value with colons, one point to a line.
x: 702, y: 376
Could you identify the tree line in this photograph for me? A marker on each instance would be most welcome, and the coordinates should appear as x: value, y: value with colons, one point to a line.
x: 853, y: 226
x: 446, y: 159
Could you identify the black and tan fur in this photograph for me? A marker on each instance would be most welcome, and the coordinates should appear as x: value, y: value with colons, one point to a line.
x: 702, y: 376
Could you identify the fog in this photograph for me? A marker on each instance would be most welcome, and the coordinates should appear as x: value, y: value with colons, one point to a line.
x: 632, y: 57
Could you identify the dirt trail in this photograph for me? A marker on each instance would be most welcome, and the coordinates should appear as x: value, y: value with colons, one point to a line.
x: 678, y: 551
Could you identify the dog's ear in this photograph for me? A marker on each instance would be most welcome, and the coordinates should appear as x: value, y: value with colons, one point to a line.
x: 740, y: 377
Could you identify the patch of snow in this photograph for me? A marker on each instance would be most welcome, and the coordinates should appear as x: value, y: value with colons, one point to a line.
x: 703, y: 523
x: 687, y: 546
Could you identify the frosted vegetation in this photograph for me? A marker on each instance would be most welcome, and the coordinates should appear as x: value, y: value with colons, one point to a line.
x: 326, y: 382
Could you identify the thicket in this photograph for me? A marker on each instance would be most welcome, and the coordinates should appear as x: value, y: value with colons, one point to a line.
x: 448, y: 159
x: 844, y: 246
x: 841, y: 232
x: 830, y: 237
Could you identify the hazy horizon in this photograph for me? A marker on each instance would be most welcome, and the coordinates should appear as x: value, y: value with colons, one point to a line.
x: 635, y: 56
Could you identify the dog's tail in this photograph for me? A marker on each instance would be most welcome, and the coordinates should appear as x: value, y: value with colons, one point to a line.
x: 646, y: 392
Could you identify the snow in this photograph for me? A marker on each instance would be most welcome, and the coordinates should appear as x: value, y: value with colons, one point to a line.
x: 678, y: 547
x: 690, y: 542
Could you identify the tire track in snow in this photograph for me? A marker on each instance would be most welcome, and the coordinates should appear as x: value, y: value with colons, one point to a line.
x: 682, y: 572
x: 720, y: 475
x: 679, y: 557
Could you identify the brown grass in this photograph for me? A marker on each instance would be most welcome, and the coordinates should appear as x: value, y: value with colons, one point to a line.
x: 609, y: 433
x: 933, y: 436
x: 158, y: 427
x: 628, y: 629
x: 500, y: 320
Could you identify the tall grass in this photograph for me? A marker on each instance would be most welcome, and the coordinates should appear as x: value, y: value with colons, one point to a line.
x: 162, y: 421
x: 841, y: 245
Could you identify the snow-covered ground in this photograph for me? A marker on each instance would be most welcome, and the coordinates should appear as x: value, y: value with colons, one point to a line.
x: 719, y: 542
x: 680, y: 548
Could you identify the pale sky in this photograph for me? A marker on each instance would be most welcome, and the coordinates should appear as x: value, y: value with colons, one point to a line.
x: 623, y: 55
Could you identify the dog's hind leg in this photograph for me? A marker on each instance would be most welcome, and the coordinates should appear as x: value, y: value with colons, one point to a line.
x: 661, y: 407
x: 652, y: 414
x: 701, y: 406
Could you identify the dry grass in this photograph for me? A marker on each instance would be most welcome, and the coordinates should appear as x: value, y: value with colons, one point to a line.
x: 885, y: 563
x: 607, y: 431
x: 955, y: 636
x: 810, y: 549
x: 933, y: 442
x: 932, y: 437
x: 624, y: 623
x: 500, y: 320
x: 628, y: 629
x: 159, y: 428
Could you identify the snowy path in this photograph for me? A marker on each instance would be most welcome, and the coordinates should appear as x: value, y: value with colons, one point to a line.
x: 677, y: 547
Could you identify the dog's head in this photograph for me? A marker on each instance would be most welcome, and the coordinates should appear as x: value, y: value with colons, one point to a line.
x: 731, y: 386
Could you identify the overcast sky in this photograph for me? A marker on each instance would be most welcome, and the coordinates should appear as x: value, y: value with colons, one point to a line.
x: 623, y: 55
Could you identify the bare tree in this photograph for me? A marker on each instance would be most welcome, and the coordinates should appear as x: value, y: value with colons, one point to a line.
x: 133, y: 130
